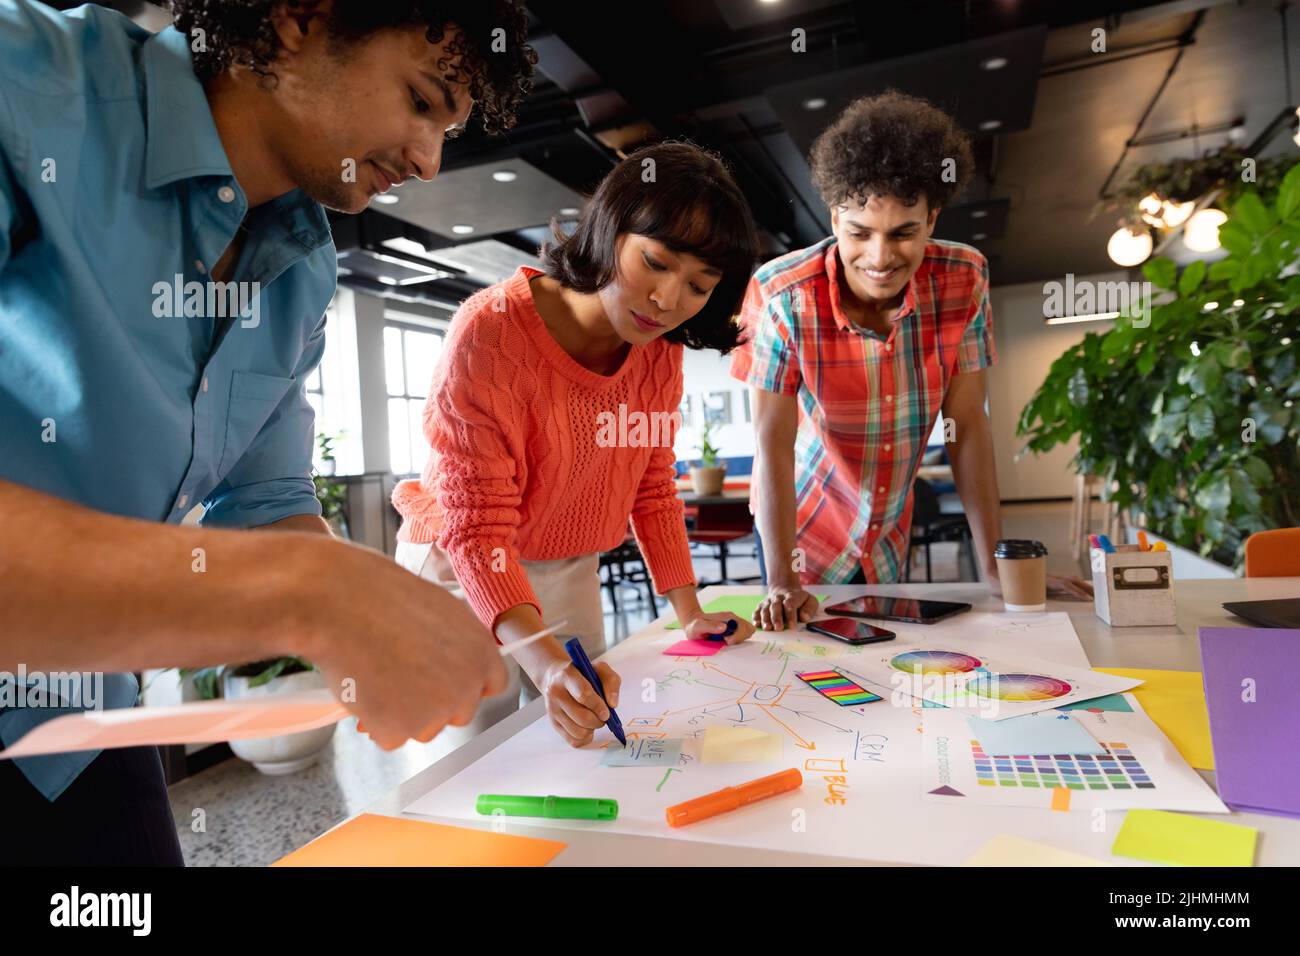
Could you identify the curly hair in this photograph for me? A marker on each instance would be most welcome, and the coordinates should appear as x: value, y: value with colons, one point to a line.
x: 240, y: 33
x: 891, y: 145
x: 692, y: 205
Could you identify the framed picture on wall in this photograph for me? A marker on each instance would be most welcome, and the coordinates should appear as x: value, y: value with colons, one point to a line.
x: 717, y: 408
x: 684, y: 409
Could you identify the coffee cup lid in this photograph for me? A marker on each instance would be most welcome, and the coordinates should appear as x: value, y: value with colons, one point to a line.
x: 1019, y: 548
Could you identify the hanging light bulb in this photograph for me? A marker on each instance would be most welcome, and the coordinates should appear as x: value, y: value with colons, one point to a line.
x: 1296, y: 138
x: 1175, y: 213
x: 1152, y: 210
x: 1129, y: 246
x: 1201, y: 233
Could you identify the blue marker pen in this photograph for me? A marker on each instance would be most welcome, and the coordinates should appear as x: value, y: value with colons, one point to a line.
x: 731, y: 629
x: 583, y: 664
x: 1105, y: 544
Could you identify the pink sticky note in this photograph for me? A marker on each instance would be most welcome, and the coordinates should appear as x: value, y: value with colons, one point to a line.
x: 694, y: 649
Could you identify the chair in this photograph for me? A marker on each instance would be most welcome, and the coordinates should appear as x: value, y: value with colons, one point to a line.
x: 719, y: 524
x: 931, y: 526
x: 1273, y: 554
x: 624, y: 566
x: 1112, y: 519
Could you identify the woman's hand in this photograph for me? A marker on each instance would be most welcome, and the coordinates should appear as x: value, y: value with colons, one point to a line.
x: 575, y: 709
x: 703, y: 626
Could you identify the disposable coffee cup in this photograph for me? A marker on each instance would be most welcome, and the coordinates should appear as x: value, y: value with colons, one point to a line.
x: 1022, y: 569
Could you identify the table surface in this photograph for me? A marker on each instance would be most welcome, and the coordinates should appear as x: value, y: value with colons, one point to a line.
x: 1163, y: 648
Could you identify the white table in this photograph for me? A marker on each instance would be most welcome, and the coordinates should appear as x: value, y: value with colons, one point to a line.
x: 1165, y: 648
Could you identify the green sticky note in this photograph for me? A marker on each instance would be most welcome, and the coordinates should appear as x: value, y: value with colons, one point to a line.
x: 741, y: 605
x: 1163, y: 837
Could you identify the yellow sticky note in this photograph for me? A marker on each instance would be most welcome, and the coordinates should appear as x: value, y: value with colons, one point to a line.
x: 803, y: 649
x: 739, y: 745
x: 374, y: 840
x: 1164, y: 837
x: 1175, y: 700
x: 1006, y: 850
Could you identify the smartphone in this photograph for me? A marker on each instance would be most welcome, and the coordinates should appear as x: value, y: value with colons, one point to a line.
x: 907, y: 610
x: 850, y: 631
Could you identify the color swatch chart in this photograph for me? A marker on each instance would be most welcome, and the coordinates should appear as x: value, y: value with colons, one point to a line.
x: 1117, y: 769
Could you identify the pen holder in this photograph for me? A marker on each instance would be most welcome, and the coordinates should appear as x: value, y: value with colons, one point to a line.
x: 1133, y: 588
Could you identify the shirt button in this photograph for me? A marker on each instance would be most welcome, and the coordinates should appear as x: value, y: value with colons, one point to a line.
x: 198, y: 264
x: 226, y: 194
x: 875, y: 527
x: 205, y: 383
x: 889, y: 398
x: 889, y: 348
x: 881, y: 489
x: 182, y: 501
x: 887, y: 446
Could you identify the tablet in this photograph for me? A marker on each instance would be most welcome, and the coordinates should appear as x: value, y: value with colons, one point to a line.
x: 909, y: 610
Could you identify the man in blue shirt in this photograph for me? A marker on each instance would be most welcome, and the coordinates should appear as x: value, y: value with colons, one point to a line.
x: 164, y: 267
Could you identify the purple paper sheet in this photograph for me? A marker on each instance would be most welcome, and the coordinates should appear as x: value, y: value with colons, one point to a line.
x: 1255, y: 741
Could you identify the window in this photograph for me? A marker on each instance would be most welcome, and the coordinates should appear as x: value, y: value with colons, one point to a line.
x: 332, y: 391
x: 409, y: 357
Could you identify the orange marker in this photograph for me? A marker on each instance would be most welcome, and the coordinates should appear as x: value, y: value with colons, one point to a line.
x: 1142, y: 541
x: 733, y: 798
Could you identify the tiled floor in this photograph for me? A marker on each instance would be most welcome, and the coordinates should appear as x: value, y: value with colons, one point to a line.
x: 250, y: 819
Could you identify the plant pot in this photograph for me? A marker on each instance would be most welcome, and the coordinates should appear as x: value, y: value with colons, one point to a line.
x: 287, y: 753
x: 708, y: 481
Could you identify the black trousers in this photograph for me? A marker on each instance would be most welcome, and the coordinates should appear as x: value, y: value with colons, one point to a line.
x: 116, y: 813
x: 858, y: 578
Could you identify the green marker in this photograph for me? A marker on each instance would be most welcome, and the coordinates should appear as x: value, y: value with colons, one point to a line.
x: 557, y: 808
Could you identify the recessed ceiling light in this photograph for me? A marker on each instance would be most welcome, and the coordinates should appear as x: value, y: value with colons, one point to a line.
x: 978, y: 213
x: 993, y: 63
x: 814, y: 103
x: 990, y: 125
x: 570, y: 211
x: 979, y: 235
x: 386, y: 199
x: 461, y: 229
x: 505, y: 175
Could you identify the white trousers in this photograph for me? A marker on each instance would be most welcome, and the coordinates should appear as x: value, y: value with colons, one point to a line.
x: 567, y: 589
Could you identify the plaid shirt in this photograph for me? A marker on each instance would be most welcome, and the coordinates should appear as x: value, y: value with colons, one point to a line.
x: 867, y: 405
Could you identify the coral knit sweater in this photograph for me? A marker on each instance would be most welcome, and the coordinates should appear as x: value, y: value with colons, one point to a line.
x: 522, y: 465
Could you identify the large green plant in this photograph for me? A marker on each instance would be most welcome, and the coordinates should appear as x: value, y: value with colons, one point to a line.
x: 1193, y: 416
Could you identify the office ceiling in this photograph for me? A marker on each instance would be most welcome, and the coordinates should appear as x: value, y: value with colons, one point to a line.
x: 1058, y: 116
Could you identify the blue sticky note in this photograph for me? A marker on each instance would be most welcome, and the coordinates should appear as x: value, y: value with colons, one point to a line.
x: 643, y: 752
x: 1046, y: 733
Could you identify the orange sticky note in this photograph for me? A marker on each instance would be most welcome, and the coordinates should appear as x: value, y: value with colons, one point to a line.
x: 374, y: 840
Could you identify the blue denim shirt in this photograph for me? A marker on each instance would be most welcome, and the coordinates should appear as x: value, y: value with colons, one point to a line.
x: 129, y: 381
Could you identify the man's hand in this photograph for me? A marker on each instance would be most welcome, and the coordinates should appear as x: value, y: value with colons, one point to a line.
x: 416, y: 657
x: 785, y: 607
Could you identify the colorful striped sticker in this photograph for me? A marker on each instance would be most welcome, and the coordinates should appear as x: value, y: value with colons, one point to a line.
x: 835, y: 686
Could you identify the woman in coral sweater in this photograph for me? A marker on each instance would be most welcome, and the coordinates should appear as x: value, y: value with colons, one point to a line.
x: 552, y: 415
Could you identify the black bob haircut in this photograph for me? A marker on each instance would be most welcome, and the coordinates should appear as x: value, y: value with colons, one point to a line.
x: 240, y: 33
x: 684, y: 197
x: 891, y: 145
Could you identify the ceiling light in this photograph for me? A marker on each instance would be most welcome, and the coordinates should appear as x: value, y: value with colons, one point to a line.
x: 386, y: 199
x: 991, y: 124
x: 1128, y: 246
x: 1175, y: 213
x: 1071, y: 319
x: 814, y: 103
x: 979, y: 235
x: 505, y: 175
x: 461, y: 229
x: 570, y: 211
x: 978, y: 213
x: 994, y: 63
x: 1201, y: 234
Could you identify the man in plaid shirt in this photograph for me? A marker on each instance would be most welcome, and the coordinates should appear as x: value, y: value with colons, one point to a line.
x: 854, y: 346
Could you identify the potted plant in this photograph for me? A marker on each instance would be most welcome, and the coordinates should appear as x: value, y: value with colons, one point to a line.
x: 286, y: 753
x: 707, y: 476
x: 330, y: 492
x: 1192, y: 419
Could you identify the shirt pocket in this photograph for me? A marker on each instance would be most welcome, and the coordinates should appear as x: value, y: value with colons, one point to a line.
x: 253, y: 397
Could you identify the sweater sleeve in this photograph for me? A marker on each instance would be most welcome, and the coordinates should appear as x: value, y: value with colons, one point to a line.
x: 658, y: 518
x: 472, y: 424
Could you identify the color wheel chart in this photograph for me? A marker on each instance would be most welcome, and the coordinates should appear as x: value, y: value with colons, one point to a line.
x: 935, y: 662
x: 1018, y: 687
x: 1117, y: 769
